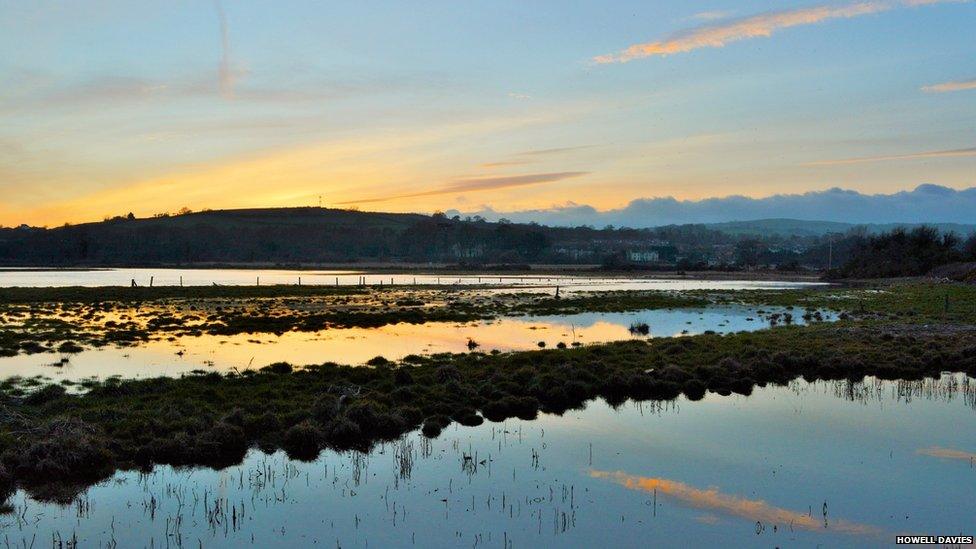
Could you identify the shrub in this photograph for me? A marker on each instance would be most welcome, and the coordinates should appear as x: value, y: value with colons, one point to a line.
x: 448, y: 373
x: 263, y: 424
x: 402, y: 376
x: 278, y: 368
x: 467, y: 417
x: 325, y: 408
x: 510, y: 406
x: 342, y: 432
x: 44, y: 395
x: 224, y: 443
x: 302, y: 440
x: 69, y: 448
x: 639, y: 328
x: 694, y: 389
x: 434, y: 425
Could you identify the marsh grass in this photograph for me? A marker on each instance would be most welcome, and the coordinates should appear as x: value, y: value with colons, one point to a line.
x: 212, y: 419
x: 37, y: 320
x: 53, y: 441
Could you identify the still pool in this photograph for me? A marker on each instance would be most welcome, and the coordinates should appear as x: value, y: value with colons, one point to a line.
x: 393, y: 341
x: 830, y: 464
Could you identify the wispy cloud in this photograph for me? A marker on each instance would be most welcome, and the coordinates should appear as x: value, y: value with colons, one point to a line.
x: 952, y: 153
x: 958, y: 85
x: 504, y: 163
x: 487, y: 183
x: 227, y: 74
x: 560, y: 150
x: 118, y: 90
x: 750, y: 509
x: 762, y: 25
x: 711, y: 15
x: 478, y: 184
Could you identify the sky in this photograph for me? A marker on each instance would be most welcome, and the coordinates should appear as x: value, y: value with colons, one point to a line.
x: 109, y: 107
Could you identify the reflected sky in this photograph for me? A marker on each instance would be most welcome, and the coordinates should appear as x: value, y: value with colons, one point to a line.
x: 712, y: 499
x: 948, y: 453
x: 393, y: 341
x: 719, y: 465
x: 236, y: 277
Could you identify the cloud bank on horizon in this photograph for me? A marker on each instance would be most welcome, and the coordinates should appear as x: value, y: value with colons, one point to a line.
x: 925, y: 204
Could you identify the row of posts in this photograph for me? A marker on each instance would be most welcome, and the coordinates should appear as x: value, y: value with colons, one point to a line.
x: 362, y: 282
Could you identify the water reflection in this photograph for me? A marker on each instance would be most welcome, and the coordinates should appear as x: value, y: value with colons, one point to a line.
x: 948, y: 453
x: 778, y: 455
x: 751, y: 509
x: 173, y: 356
x: 207, y: 277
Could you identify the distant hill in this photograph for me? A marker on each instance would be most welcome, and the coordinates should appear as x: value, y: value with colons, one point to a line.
x: 277, y: 217
x: 309, y: 236
x: 270, y: 235
x: 800, y: 227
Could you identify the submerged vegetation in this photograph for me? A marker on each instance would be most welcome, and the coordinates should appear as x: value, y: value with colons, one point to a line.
x: 34, y: 320
x: 896, y: 332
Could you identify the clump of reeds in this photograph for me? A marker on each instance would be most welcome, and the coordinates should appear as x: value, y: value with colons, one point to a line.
x: 639, y: 328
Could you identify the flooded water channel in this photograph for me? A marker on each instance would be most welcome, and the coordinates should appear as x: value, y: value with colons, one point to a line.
x: 393, y: 341
x: 830, y: 464
x: 240, y: 277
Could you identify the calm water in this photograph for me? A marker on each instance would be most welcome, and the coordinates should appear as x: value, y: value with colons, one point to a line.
x: 394, y: 341
x: 206, y: 277
x: 824, y: 464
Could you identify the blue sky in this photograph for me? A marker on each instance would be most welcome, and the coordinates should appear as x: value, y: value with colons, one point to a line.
x: 112, y: 106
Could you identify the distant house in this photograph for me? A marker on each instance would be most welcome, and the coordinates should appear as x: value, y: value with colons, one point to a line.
x: 666, y: 253
x: 649, y: 256
x: 574, y: 253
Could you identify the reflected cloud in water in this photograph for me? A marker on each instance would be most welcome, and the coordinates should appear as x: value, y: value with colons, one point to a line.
x: 751, y: 509
x: 947, y: 453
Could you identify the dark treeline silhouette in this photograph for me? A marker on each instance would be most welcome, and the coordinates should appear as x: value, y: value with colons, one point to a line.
x: 284, y: 236
x: 319, y: 235
x: 903, y: 252
x: 292, y: 236
x: 440, y: 238
x: 241, y: 236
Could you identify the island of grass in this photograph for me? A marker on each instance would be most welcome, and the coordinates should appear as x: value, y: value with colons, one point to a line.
x: 900, y: 331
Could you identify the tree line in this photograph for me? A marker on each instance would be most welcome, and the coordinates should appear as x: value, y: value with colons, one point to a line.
x: 319, y: 235
x: 903, y: 252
